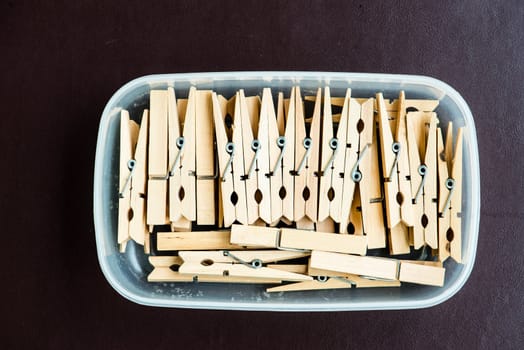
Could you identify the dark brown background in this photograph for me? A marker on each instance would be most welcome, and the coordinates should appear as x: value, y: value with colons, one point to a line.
x: 62, y: 61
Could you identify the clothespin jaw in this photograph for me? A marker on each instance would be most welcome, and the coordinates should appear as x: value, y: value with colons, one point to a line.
x: 248, y: 264
x: 450, y: 198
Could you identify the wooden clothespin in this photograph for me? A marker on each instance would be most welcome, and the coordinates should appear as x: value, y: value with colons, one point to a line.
x: 176, y: 144
x: 370, y: 188
x: 354, y: 154
x: 205, y: 172
x: 158, y: 157
x: 231, y: 164
x: 164, y: 267
x: 248, y: 264
x: 303, y: 147
x: 287, y: 192
x: 132, y: 184
x: 187, y: 192
x: 450, y: 195
x: 328, y: 178
x: 313, y: 165
x: 275, y: 143
x: 422, y: 148
x: 338, y: 161
x: 267, y: 136
x: 246, y: 152
x: 395, y: 169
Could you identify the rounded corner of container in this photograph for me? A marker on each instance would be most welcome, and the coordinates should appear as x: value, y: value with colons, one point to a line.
x: 115, y: 284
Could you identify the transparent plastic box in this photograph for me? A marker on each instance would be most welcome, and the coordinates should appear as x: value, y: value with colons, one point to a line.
x: 127, y: 272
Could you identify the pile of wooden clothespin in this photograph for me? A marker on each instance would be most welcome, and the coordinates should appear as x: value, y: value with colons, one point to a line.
x: 236, y: 186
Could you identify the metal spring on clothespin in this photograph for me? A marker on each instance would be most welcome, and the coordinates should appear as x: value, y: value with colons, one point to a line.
x: 307, y: 143
x: 356, y: 175
x: 255, y: 147
x: 281, y: 143
x: 230, y: 149
x: 333, y: 144
x: 254, y: 264
x: 422, y: 170
x: 450, y: 185
x: 180, y: 142
x: 131, y: 166
x: 395, y: 147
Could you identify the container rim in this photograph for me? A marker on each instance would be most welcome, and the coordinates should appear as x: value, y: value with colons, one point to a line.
x: 474, y: 166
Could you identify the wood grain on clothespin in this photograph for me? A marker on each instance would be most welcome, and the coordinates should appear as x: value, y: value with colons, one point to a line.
x: 205, y: 159
x: 329, y: 242
x: 188, y: 160
x: 358, y: 265
x: 190, y: 240
x: 158, y: 157
x: 421, y: 274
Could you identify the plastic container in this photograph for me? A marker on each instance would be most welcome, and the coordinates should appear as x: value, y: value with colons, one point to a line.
x: 127, y: 272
